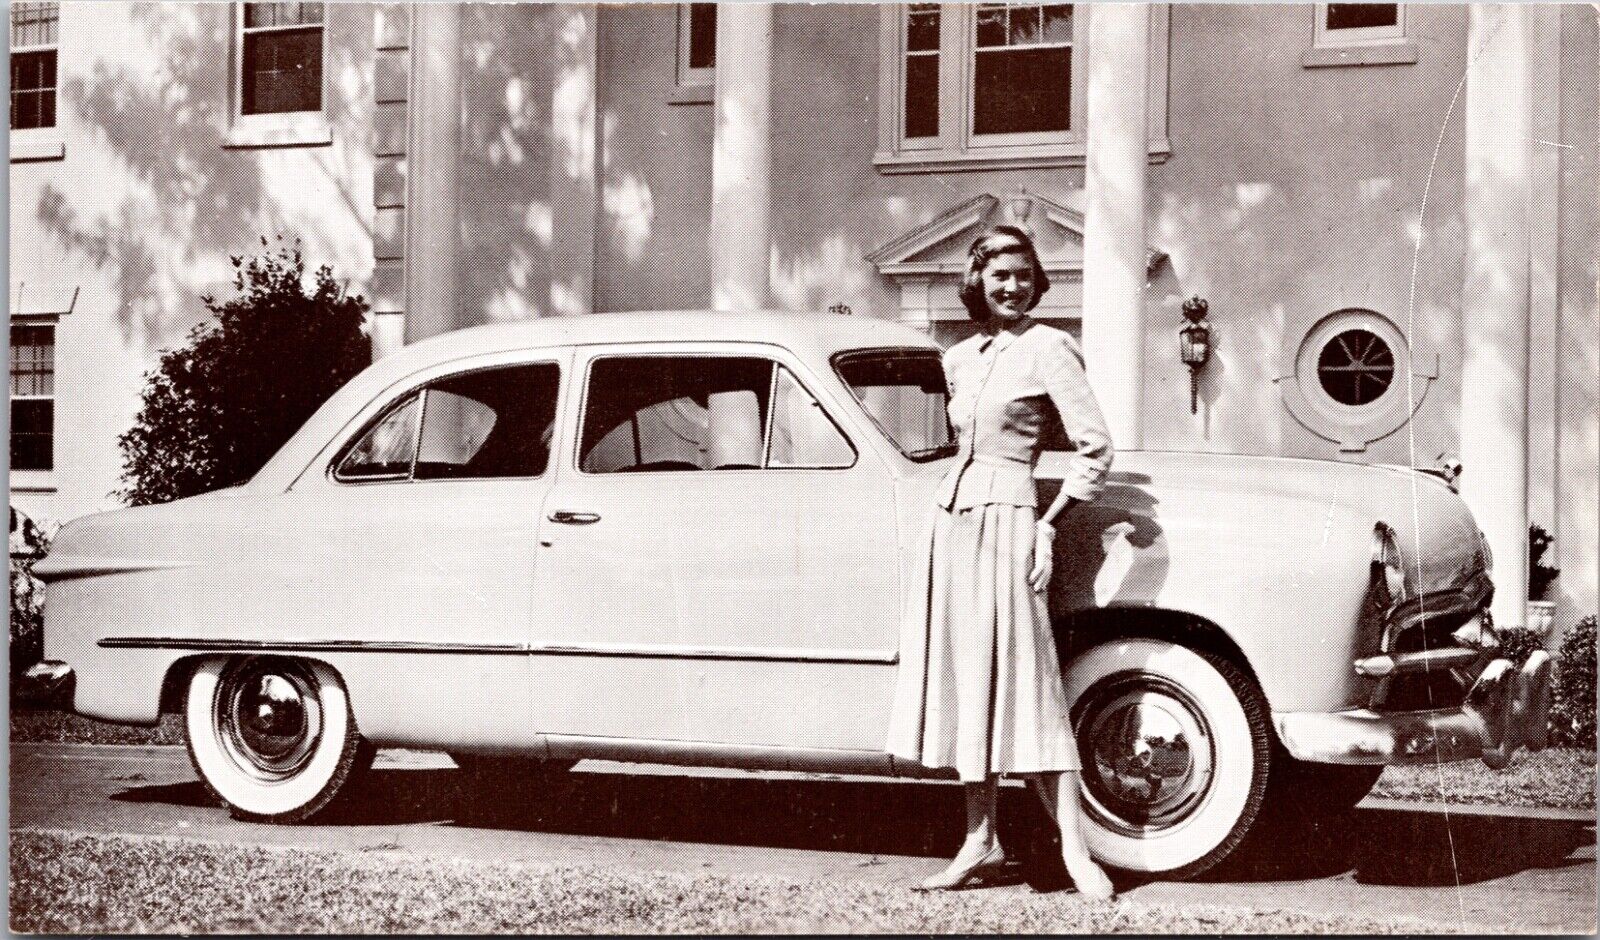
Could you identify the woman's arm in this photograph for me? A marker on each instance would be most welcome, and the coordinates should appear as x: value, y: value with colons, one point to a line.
x: 1064, y: 380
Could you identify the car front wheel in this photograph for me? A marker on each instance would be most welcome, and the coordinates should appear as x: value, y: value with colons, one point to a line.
x: 1175, y: 745
x: 272, y: 738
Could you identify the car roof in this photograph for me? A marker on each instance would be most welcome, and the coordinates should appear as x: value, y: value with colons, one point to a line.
x: 812, y: 336
x: 799, y: 331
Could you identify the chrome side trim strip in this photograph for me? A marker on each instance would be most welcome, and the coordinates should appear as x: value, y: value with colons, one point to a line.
x: 740, y: 653
x: 304, y: 646
x: 745, y: 653
x: 715, y: 754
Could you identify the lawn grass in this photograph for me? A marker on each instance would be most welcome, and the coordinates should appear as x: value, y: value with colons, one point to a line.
x: 57, y: 726
x: 68, y: 883
x: 1555, y: 779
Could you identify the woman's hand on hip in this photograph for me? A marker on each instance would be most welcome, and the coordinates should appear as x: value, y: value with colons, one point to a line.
x: 1044, y: 543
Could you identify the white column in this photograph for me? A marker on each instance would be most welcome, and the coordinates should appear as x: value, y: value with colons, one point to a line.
x: 433, y: 157
x: 574, y: 161
x: 1495, y: 299
x: 741, y: 189
x: 1114, y: 245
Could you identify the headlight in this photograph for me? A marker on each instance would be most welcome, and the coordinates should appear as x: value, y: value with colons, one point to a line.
x: 1386, y: 552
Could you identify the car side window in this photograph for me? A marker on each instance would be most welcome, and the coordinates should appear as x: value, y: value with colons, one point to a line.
x: 658, y: 413
x: 493, y: 423
x: 479, y: 425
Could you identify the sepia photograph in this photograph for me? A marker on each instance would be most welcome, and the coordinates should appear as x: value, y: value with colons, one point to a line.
x: 774, y: 468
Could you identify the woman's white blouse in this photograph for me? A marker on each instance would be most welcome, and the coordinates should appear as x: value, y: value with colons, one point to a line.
x: 1001, y: 388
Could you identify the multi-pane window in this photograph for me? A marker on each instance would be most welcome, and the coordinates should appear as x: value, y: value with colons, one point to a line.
x: 281, y: 58
x: 983, y: 80
x: 33, y: 391
x: 34, y: 28
x: 697, y: 43
x: 1356, y: 367
x: 1360, y: 24
x: 1022, y: 69
x: 1362, y: 15
x: 922, y: 70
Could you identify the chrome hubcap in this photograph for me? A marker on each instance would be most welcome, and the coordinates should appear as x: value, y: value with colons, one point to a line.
x: 270, y: 717
x: 1147, y: 752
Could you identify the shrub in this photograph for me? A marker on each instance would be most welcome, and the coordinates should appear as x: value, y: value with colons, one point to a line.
x: 217, y: 408
x: 28, y: 543
x: 1572, y: 708
x: 1517, y: 645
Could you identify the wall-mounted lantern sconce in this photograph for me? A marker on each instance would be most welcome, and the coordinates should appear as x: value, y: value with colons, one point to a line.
x: 1194, y: 341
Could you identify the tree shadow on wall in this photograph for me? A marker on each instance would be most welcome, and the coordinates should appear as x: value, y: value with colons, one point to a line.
x: 167, y: 200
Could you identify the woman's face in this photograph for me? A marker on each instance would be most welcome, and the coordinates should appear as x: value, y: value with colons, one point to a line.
x: 1008, y: 285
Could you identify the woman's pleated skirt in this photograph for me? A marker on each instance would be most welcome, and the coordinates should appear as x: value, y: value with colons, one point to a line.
x: 992, y: 700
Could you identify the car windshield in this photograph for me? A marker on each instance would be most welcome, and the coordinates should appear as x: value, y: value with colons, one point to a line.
x: 904, y: 392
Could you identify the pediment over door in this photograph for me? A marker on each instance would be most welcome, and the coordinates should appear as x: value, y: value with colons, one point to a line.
x: 927, y: 263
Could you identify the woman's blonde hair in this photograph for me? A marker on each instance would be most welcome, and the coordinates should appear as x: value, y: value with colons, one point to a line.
x: 1002, y: 239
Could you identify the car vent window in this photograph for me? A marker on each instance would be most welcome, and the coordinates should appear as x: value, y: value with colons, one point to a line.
x: 802, y: 433
x: 490, y: 423
x: 386, y: 450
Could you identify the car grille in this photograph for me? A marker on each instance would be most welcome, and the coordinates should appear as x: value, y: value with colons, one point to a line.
x: 1430, y: 624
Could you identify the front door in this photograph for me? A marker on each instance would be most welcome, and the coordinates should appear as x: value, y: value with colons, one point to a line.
x: 422, y: 530
x: 718, y: 563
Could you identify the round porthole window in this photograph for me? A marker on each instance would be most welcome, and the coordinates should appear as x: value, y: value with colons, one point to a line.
x: 1349, y: 379
x: 1355, y: 367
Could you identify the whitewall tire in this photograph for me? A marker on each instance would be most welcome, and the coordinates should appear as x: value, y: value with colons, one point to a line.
x: 272, y: 738
x: 1175, y: 746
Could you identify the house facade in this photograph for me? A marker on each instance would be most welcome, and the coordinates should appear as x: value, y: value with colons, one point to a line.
x: 1391, y: 212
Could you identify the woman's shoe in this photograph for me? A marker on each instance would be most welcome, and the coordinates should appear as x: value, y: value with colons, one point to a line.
x: 1093, y: 883
x: 954, y: 879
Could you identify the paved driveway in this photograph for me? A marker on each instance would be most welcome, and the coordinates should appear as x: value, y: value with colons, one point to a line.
x: 1487, y: 871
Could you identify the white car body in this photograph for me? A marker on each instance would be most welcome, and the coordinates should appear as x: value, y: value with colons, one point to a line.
x: 752, y: 618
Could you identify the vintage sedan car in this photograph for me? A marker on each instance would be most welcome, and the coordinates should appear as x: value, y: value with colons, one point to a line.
x: 694, y: 538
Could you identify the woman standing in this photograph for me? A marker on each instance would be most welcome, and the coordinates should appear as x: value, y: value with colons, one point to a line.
x: 980, y: 689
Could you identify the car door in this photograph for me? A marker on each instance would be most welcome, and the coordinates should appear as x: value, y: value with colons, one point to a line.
x: 718, y: 560
x: 424, y: 523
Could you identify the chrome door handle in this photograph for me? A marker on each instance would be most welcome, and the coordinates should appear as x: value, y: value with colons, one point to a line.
x: 574, y: 518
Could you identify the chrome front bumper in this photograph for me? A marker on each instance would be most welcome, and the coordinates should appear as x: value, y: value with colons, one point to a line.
x: 1507, y: 708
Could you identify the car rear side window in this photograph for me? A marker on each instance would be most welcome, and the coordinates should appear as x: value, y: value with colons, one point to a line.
x: 661, y: 413
x: 492, y: 423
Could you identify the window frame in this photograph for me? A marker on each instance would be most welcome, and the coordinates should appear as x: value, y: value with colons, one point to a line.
x: 766, y: 433
x: 957, y: 147
x: 691, y: 85
x: 420, y: 388
x: 54, y: 324
x: 278, y: 129
x: 1366, y: 45
x: 1325, y: 36
x: 838, y: 360
x: 41, y: 143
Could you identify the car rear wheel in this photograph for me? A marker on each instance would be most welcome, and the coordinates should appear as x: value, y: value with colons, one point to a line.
x: 1175, y: 745
x: 273, y: 738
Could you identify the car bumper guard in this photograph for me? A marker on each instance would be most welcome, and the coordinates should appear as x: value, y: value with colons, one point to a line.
x: 1506, y: 708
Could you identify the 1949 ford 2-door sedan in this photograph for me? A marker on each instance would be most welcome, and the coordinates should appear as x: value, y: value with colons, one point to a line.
x: 695, y: 539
